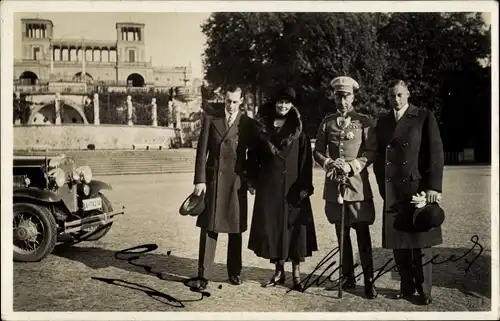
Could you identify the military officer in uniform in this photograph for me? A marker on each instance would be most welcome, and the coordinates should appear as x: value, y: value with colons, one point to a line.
x: 345, y: 142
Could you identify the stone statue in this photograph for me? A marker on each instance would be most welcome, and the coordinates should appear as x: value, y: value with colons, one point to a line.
x: 57, y: 107
x: 170, y: 112
x: 96, y: 109
x: 154, y: 115
x: 129, y: 113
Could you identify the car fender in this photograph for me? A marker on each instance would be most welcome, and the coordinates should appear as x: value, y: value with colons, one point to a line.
x: 96, y: 185
x: 36, y: 194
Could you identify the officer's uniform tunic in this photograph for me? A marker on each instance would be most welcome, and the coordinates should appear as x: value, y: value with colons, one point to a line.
x: 356, y: 144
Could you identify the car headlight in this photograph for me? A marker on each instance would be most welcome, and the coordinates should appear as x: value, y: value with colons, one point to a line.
x: 54, y: 162
x: 57, y: 176
x: 84, y: 173
x: 86, y: 190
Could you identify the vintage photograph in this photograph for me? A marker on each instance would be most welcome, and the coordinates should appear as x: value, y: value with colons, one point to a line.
x: 250, y: 160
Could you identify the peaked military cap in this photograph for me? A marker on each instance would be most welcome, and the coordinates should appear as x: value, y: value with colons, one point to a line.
x: 193, y: 205
x: 344, y: 83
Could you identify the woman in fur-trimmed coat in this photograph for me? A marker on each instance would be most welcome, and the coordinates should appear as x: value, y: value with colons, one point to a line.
x: 279, y: 168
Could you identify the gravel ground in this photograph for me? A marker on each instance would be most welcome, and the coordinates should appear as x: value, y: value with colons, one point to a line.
x: 65, y: 280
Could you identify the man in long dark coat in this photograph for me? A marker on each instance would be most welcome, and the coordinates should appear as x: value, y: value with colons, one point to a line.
x: 220, y: 175
x: 345, y: 140
x: 410, y: 160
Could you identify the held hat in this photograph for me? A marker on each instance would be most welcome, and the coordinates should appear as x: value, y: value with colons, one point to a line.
x: 344, y: 84
x: 193, y: 205
x: 428, y: 217
x: 418, y: 220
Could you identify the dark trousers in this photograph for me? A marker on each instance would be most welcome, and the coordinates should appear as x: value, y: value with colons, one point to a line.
x: 364, y: 247
x: 415, y: 270
x: 208, y: 244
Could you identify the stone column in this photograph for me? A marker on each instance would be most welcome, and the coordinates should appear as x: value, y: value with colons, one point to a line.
x: 51, y: 60
x: 177, y: 113
x: 129, y: 111
x: 170, y: 113
x: 154, y: 115
x: 96, y: 109
x: 178, y: 124
x: 57, y: 105
x: 17, y: 103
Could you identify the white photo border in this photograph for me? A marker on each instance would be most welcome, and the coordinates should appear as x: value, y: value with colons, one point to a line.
x: 8, y: 8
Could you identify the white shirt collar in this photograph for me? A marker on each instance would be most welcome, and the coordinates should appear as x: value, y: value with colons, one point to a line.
x: 401, y: 111
x: 228, y: 115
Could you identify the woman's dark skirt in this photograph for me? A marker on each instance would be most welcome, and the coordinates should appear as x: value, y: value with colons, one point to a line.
x: 298, y: 242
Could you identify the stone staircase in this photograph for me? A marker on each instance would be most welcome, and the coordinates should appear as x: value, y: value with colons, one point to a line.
x: 124, y: 162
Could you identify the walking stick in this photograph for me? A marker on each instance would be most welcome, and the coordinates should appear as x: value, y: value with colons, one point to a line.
x: 341, y: 178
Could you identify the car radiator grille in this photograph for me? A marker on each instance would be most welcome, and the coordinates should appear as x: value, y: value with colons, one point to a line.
x: 19, y: 180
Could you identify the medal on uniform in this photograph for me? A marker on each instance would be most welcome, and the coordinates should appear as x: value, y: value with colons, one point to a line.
x: 343, y: 121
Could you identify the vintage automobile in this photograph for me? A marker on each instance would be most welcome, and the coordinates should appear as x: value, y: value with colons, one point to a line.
x: 54, y: 201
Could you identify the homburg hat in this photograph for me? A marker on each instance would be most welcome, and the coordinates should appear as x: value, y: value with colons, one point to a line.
x: 421, y: 219
x: 193, y: 205
x: 428, y: 217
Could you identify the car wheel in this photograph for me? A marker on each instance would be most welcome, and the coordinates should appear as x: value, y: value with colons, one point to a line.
x: 35, y: 232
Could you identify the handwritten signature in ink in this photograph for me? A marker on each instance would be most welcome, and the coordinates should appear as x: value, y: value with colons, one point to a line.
x: 309, y: 280
x: 124, y: 255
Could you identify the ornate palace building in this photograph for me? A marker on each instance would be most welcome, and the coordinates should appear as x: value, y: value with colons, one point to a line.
x: 115, y: 63
x: 72, y: 69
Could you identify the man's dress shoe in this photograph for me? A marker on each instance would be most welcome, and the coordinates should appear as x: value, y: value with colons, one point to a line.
x: 370, y: 291
x: 235, y: 280
x: 424, y: 299
x: 200, y: 285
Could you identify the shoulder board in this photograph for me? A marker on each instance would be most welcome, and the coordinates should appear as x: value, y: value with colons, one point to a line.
x: 328, y: 117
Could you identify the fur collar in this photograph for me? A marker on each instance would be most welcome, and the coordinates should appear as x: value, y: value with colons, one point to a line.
x: 291, y: 129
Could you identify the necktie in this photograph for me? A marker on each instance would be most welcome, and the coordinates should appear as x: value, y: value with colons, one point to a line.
x: 397, y: 115
x: 230, y: 120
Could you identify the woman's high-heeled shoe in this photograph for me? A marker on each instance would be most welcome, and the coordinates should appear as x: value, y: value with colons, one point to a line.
x: 278, y: 278
x: 297, y: 284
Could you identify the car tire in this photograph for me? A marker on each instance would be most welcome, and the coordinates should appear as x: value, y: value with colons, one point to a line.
x: 49, y: 237
x: 106, y: 208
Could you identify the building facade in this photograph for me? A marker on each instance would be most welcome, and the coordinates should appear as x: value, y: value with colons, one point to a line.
x: 120, y: 62
x: 74, y: 69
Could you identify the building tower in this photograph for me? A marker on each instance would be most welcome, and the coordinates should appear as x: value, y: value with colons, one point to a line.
x: 36, y: 36
x: 130, y: 48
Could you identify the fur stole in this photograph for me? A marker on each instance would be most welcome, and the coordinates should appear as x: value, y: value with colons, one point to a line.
x: 277, y: 140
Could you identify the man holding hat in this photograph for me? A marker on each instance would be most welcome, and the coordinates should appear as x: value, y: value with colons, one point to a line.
x: 220, y: 157
x: 345, y: 143
x: 409, y: 172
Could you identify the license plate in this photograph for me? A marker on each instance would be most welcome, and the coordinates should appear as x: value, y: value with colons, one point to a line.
x: 92, y: 204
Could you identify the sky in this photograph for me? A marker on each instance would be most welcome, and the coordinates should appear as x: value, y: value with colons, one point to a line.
x: 172, y: 38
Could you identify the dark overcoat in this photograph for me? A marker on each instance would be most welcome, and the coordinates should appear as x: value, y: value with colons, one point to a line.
x: 410, y: 160
x: 220, y: 157
x: 280, y: 167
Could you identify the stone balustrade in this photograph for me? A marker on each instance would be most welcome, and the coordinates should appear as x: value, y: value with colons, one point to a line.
x: 103, y: 137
